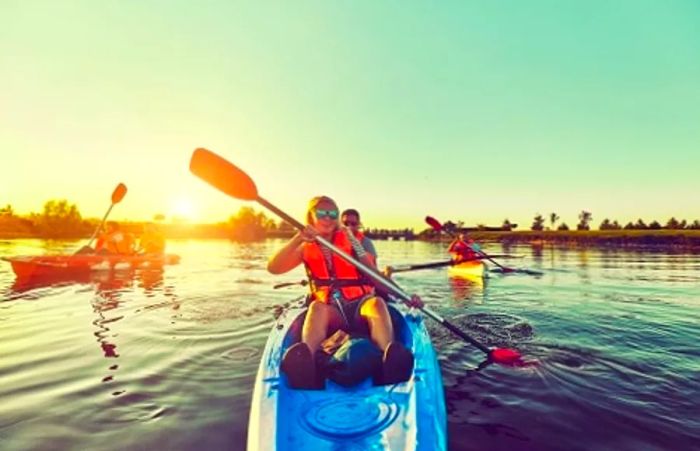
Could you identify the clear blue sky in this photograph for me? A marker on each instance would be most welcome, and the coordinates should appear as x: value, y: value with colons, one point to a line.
x: 472, y: 111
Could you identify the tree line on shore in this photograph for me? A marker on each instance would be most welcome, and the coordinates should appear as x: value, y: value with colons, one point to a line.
x: 60, y: 219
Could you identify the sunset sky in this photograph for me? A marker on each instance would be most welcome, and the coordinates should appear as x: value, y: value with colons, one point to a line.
x: 464, y: 110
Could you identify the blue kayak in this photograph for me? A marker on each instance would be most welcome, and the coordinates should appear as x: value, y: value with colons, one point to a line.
x: 405, y: 416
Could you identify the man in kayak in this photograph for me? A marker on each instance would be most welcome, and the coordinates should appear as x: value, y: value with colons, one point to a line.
x: 341, y: 298
x: 152, y: 240
x: 350, y: 218
x: 115, y: 241
x: 463, y: 249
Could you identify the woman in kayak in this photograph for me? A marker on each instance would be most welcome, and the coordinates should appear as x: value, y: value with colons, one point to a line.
x: 463, y: 249
x: 115, y: 241
x: 341, y: 297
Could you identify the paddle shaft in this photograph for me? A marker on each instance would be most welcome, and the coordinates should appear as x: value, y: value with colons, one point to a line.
x: 375, y: 276
x: 99, y: 227
x: 405, y: 268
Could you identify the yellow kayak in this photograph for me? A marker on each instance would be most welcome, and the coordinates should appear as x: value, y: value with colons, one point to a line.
x: 467, y: 269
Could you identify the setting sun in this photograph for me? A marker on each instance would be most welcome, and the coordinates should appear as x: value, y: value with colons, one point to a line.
x: 183, y: 209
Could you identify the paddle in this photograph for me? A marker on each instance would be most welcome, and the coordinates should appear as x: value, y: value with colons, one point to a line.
x: 117, y: 195
x: 436, y: 225
x: 231, y: 180
x: 438, y: 264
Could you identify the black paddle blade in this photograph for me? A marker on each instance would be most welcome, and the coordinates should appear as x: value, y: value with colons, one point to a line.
x: 222, y: 175
x: 434, y: 223
x: 118, y: 193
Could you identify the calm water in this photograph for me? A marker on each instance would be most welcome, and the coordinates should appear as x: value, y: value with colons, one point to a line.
x: 167, y: 359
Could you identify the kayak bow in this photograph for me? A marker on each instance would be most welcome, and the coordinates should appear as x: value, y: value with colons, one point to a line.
x: 405, y: 416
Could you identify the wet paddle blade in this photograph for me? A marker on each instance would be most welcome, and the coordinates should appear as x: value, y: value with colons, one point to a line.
x: 222, y: 175
x: 118, y: 193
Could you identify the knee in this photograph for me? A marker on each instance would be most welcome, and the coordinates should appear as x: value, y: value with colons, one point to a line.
x: 374, y: 306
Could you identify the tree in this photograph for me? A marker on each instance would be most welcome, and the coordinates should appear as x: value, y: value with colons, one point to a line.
x: 674, y: 224
x: 247, y: 225
x: 507, y: 225
x: 607, y: 225
x: 7, y: 211
x: 449, y: 227
x: 538, y: 223
x: 629, y: 226
x: 585, y: 218
x: 563, y: 227
x: 654, y: 225
x: 553, y: 218
x: 640, y: 225
x: 695, y: 225
x: 59, y: 220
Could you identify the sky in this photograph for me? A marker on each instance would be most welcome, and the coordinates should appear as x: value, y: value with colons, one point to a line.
x: 464, y: 110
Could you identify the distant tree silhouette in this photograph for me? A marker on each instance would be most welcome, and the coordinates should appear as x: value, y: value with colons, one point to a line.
x: 449, y: 227
x: 673, y: 223
x: 640, y: 225
x: 59, y: 220
x: 538, y: 223
x: 654, y: 225
x: 695, y: 225
x: 607, y: 225
x: 507, y: 225
x: 7, y: 211
x: 553, y: 218
x: 563, y: 227
x: 585, y: 218
x: 247, y: 225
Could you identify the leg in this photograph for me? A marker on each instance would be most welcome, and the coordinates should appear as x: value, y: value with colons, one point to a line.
x: 318, y: 319
x: 375, y: 311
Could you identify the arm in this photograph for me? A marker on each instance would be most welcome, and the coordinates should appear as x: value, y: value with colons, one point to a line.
x: 287, y: 258
x: 369, y: 247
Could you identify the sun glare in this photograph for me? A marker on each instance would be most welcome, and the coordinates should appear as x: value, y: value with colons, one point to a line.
x: 183, y: 209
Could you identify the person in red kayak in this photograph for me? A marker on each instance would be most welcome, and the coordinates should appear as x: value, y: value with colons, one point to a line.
x: 114, y: 241
x: 463, y: 249
x: 152, y: 240
x: 341, y: 298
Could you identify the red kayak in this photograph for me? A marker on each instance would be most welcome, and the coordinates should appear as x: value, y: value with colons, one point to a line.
x: 51, y: 265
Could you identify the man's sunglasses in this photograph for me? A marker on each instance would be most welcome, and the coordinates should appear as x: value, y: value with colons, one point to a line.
x: 321, y: 213
x: 351, y: 223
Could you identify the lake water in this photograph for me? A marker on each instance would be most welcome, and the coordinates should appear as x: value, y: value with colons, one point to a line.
x: 166, y: 359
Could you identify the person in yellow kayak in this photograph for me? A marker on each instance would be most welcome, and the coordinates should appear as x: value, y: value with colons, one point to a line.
x: 341, y: 298
x: 152, y: 240
x: 115, y: 241
x: 463, y: 249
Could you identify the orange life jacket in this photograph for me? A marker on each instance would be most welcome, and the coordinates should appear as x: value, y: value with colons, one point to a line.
x: 117, y: 242
x: 461, y: 250
x: 342, y: 276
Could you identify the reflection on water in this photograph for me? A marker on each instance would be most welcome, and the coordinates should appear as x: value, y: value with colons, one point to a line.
x: 166, y: 358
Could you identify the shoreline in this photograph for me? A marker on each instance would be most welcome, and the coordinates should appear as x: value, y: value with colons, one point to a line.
x: 683, y: 238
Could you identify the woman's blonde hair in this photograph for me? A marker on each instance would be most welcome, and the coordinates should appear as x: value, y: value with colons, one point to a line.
x: 312, y: 205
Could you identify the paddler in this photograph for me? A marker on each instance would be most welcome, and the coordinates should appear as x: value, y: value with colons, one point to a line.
x: 463, y: 249
x: 341, y: 297
x: 115, y: 241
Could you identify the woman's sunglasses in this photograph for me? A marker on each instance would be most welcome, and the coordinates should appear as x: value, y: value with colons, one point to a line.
x: 321, y: 213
